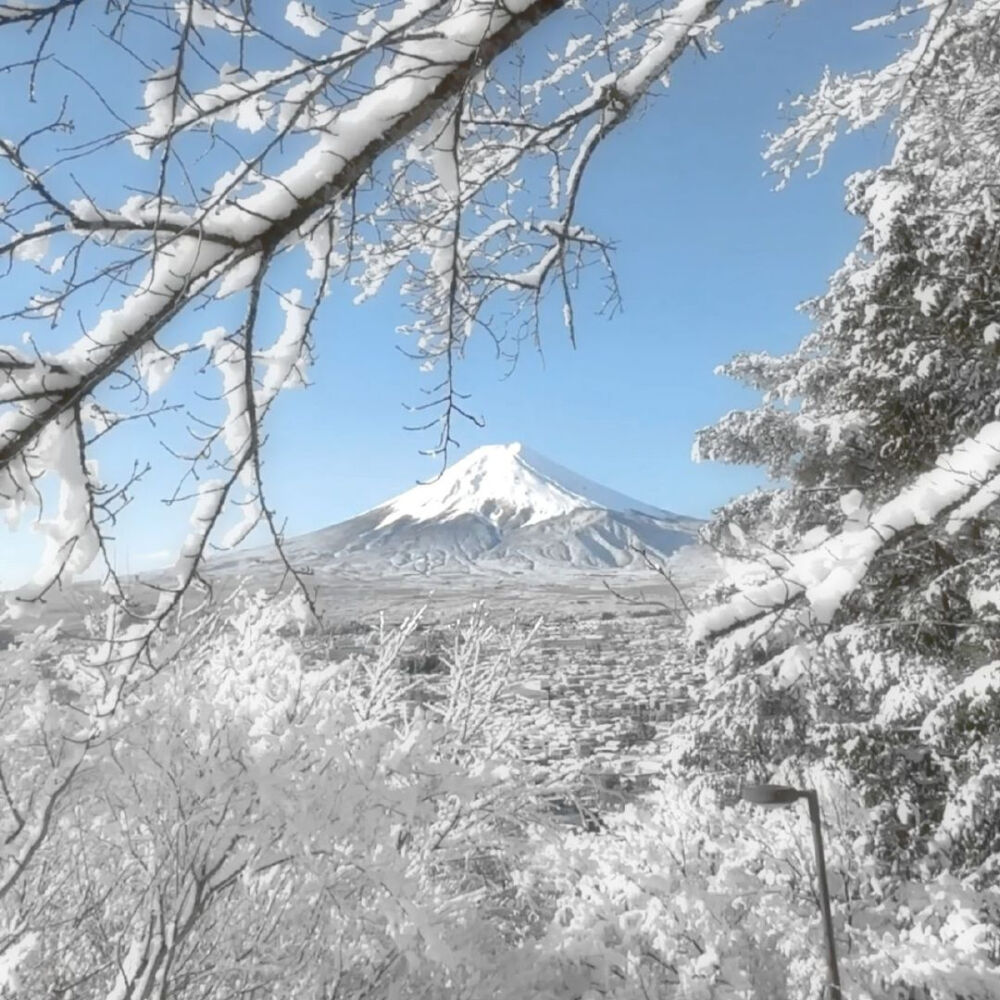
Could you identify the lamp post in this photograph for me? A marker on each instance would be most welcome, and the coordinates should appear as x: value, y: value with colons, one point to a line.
x: 783, y: 795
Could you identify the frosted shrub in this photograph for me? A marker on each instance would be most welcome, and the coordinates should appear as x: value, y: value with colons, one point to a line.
x: 247, y: 825
x: 45, y: 754
x: 246, y: 822
x: 684, y: 897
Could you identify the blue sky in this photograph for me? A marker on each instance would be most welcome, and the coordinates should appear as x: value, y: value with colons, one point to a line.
x: 711, y: 260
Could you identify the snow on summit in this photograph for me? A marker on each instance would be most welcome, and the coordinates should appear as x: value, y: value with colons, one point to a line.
x: 510, y: 485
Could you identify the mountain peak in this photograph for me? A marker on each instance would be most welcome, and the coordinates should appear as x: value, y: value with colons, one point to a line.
x: 510, y: 485
x: 503, y: 508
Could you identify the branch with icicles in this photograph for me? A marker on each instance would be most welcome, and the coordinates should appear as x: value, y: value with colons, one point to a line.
x: 808, y: 588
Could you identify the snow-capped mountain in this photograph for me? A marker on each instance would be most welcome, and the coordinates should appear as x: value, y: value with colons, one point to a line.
x: 510, y: 486
x: 504, y: 507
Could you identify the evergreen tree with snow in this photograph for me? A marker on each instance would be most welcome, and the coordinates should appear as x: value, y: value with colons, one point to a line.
x: 864, y: 634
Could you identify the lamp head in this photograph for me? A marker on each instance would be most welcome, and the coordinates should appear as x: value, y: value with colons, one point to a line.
x: 771, y: 795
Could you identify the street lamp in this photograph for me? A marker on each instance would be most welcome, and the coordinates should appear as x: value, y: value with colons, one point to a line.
x: 783, y: 795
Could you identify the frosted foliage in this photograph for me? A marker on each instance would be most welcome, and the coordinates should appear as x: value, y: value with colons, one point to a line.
x: 685, y: 896
x: 397, y: 138
x: 259, y: 809
x: 864, y: 381
x: 271, y: 820
x: 851, y: 102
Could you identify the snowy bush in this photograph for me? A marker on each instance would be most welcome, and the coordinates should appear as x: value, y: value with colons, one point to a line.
x: 246, y: 824
x: 685, y: 897
x: 251, y: 820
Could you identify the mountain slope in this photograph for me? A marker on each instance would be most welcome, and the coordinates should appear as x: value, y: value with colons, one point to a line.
x: 502, y: 507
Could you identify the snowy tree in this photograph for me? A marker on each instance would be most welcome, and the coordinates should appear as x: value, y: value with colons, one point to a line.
x: 406, y: 138
x: 863, y: 633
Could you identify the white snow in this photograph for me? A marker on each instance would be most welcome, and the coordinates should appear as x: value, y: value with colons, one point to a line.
x: 203, y: 15
x: 927, y: 296
x: 303, y: 17
x: 507, y: 481
x: 155, y: 366
x: 71, y: 540
x: 34, y: 249
x: 211, y: 496
x: 443, y: 157
x: 240, y: 276
x: 285, y: 361
x: 14, y: 8
x: 662, y: 45
x: 211, y: 339
x: 19, y: 948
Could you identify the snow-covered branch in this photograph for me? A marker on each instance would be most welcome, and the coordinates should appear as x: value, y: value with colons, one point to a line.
x: 850, y: 102
x: 962, y: 483
x: 304, y: 138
